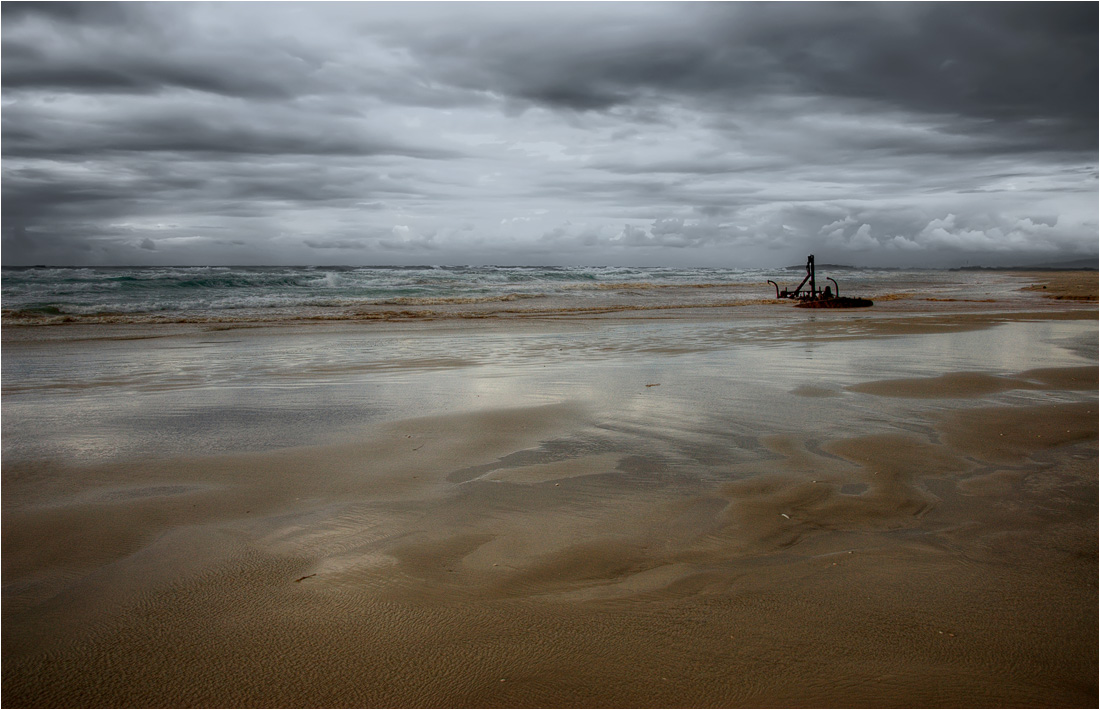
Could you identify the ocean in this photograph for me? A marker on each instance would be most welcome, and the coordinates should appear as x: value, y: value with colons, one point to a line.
x: 47, y: 295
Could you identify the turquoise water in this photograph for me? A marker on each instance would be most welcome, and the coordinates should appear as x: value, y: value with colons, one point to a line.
x: 227, y: 292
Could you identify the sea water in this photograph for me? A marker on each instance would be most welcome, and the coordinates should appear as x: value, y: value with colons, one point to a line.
x: 140, y: 294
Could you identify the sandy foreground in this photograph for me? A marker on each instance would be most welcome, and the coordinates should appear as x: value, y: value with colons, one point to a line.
x: 758, y: 506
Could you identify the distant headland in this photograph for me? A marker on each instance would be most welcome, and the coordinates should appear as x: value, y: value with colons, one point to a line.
x: 1087, y: 264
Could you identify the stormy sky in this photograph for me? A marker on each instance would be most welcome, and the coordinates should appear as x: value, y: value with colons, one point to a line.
x: 679, y: 134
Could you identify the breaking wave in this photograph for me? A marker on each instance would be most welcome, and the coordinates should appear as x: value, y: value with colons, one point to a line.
x: 40, y: 295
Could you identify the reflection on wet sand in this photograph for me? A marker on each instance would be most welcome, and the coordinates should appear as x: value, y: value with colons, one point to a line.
x: 800, y: 522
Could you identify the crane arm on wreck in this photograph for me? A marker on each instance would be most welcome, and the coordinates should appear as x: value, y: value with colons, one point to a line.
x: 814, y: 298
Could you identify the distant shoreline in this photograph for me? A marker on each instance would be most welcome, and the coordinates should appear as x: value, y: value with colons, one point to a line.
x: 1026, y: 268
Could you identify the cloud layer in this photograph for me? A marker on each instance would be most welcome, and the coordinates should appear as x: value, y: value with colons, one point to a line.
x: 685, y: 133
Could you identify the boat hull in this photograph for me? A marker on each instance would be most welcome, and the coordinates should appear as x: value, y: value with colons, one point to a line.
x: 838, y: 302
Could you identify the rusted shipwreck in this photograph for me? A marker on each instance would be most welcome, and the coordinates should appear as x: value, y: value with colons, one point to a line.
x: 812, y: 297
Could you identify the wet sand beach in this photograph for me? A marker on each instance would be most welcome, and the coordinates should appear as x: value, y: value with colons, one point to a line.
x: 702, y: 505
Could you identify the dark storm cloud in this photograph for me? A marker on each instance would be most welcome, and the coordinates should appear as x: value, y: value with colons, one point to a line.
x: 1019, y: 63
x: 157, y: 48
x: 138, y: 48
x: 988, y: 60
x: 37, y: 134
x: 205, y: 132
x: 83, y: 13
